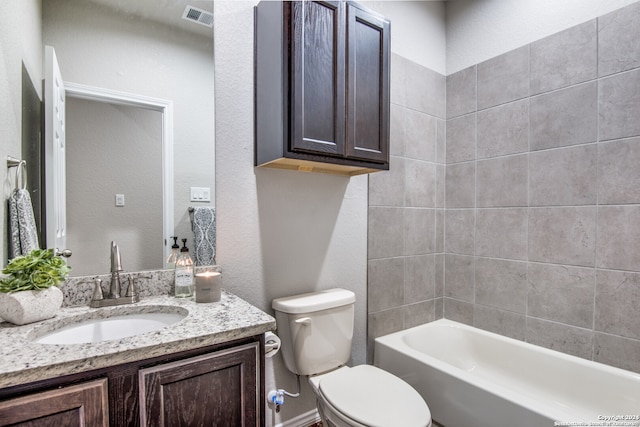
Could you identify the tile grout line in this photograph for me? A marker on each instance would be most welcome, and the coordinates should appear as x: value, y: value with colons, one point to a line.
x: 526, y: 302
x: 595, y: 255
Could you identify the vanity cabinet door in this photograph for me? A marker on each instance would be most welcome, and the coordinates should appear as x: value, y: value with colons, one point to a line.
x: 216, y: 389
x: 80, y: 405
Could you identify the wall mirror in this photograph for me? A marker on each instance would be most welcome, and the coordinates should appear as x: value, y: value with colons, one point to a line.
x: 144, y: 48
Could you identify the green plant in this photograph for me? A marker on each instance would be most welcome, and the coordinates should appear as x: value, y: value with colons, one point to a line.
x: 40, y: 269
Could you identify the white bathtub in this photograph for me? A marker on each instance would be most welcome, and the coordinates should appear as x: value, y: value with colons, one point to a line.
x: 473, y: 378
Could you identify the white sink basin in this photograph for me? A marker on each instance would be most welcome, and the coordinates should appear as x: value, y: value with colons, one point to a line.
x: 110, y: 328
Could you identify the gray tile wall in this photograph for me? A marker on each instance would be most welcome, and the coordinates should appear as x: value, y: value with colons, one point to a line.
x: 539, y: 238
x: 406, y: 206
x: 542, y: 214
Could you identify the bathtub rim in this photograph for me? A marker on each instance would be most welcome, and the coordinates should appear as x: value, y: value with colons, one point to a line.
x: 395, y: 341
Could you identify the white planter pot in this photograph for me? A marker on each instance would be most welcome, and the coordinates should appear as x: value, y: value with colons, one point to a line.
x: 25, y: 307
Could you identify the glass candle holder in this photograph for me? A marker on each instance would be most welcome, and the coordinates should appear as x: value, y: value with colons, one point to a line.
x: 208, y: 286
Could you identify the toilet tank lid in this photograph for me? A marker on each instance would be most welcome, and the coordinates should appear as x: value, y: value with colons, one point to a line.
x: 314, y: 301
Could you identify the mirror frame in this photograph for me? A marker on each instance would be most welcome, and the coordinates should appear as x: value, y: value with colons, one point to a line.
x: 165, y: 107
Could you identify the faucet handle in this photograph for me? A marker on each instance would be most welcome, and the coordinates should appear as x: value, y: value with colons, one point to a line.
x: 97, y: 291
x: 132, y: 291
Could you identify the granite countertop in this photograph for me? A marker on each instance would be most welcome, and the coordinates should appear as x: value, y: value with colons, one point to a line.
x: 22, y: 360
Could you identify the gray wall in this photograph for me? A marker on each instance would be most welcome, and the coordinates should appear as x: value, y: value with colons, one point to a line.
x: 542, y: 201
x: 20, y: 41
x: 406, y: 207
x: 281, y: 232
x: 113, y: 149
x: 480, y: 30
x: 418, y: 30
x: 98, y: 46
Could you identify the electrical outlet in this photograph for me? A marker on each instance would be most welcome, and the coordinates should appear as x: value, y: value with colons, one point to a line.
x: 200, y: 194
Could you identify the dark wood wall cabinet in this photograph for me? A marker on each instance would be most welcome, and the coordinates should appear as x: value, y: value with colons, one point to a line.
x: 221, y: 385
x: 321, y: 87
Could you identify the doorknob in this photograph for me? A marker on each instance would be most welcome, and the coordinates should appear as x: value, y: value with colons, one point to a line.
x: 65, y: 253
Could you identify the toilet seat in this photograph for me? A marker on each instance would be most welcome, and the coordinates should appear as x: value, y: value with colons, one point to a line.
x: 375, y: 398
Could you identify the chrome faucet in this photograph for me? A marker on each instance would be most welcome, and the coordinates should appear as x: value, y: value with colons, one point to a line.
x: 115, y: 288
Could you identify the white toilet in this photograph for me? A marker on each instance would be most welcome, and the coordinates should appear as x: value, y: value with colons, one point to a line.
x: 316, y: 331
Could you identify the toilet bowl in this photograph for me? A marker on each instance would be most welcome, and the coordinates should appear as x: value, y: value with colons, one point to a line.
x: 316, y: 331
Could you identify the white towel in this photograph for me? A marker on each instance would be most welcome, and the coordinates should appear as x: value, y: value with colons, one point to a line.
x: 204, y: 233
x: 22, y: 224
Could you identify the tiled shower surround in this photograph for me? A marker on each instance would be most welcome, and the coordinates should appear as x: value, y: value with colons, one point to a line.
x: 406, y: 207
x: 542, y: 209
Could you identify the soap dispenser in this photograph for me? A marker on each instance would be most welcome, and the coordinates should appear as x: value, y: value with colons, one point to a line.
x: 173, y: 256
x: 184, y: 273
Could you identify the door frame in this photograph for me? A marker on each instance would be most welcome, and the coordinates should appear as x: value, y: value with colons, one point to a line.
x: 165, y: 107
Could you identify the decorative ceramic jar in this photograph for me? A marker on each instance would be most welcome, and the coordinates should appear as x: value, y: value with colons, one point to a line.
x: 25, y: 307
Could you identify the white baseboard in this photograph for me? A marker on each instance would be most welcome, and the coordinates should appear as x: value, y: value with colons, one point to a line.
x: 302, y: 420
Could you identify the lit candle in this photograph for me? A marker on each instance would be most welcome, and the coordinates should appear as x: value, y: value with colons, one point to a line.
x: 208, y: 286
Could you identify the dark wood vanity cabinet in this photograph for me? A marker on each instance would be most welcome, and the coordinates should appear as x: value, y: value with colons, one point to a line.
x: 217, y: 389
x: 84, y: 404
x: 321, y: 87
x: 220, y: 385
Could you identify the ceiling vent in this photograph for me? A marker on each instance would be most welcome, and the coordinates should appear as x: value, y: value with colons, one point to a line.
x: 198, y: 16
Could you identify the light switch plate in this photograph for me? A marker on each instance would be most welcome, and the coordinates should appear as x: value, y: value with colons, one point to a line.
x: 119, y: 200
x: 200, y: 194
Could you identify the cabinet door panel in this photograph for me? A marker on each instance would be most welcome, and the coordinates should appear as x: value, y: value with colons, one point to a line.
x: 368, y: 86
x: 123, y: 390
x: 318, y: 77
x: 79, y: 405
x: 217, y: 389
x: 66, y: 418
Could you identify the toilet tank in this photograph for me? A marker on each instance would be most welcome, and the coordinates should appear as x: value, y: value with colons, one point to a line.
x: 316, y: 330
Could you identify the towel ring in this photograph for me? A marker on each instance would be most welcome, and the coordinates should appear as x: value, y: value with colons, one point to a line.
x: 21, y: 172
